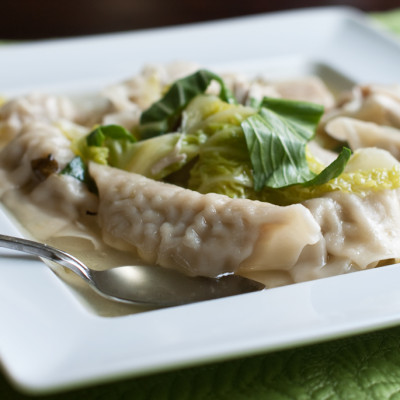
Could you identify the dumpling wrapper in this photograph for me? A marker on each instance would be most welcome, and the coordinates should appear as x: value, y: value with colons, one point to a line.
x: 21, y: 112
x: 361, y: 232
x: 201, y: 234
x: 65, y: 199
x: 361, y: 134
x: 372, y: 103
x: 37, y: 140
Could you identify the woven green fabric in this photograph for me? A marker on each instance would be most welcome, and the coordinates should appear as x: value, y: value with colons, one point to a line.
x: 390, y: 20
x: 360, y: 367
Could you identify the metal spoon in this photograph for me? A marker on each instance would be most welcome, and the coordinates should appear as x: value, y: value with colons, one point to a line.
x: 139, y: 284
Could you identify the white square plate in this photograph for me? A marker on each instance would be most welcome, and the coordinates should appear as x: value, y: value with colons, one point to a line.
x: 49, y: 340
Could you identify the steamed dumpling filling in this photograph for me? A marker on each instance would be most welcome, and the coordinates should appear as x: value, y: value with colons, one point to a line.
x: 188, y: 170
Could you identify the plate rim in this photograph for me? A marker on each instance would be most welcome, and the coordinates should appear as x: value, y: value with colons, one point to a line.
x: 33, y: 379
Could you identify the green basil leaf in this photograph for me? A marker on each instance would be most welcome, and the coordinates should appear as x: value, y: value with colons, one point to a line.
x: 164, y: 114
x: 276, y: 139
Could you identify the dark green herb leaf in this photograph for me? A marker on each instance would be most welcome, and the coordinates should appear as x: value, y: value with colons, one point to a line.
x: 163, y: 115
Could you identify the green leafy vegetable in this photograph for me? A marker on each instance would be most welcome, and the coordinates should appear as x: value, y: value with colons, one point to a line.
x: 276, y: 138
x: 163, y: 115
x: 160, y: 156
x: 303, y: 115
x: 79, y: 170
x: 223, y: 165
x: 115, y: 132
x: 333, y: 170
x: 105, y: 144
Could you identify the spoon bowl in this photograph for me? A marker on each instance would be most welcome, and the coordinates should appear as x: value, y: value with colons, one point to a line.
x: 140, y: 284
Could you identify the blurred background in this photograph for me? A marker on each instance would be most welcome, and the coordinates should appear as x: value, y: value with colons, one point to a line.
x: 39, y: 19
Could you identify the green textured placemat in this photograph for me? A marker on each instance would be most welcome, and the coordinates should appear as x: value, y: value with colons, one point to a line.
x: 390, y: 20
x: 360, y: 367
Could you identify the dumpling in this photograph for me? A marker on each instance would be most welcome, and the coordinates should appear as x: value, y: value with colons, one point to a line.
x: 37, y: 142
x: 360, y: 134
x: 17, y: 113
x: 31, y: 163
x: 128, y: 99
x: 139, y: 92
x: 210, y: 234
x: 372, y: 103
x: 361, y: 231
x: 357, y: 231
x: 308, y: 88
x: 200, y: 234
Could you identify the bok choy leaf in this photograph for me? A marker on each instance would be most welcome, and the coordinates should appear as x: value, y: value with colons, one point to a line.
x: 114, y: 132
x: 276, y: 139
x: 77, y: 169
x: 163, y: 116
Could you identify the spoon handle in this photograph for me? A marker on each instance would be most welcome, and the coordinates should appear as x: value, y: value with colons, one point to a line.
x: 48, y: 252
